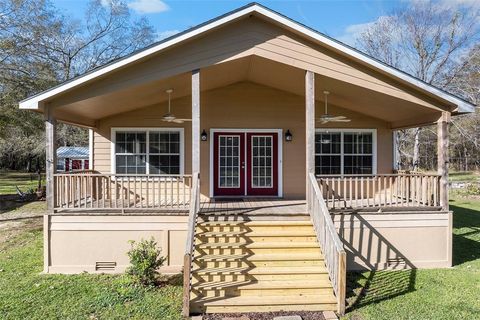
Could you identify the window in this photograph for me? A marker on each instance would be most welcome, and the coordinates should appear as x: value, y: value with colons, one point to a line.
x: 344, y: 152
x: 60, y: 164
x: 152, y: 151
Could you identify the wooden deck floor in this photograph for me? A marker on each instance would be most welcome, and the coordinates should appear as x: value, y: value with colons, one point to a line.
x: 253, y: 207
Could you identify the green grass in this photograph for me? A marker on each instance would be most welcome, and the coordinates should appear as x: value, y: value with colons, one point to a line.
x: 27, y: 294
x: 411, y: 294
x: 426, y: 294
x: 25, y: 181
x: 464, y: 176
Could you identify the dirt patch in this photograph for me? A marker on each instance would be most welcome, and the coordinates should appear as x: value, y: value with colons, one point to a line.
x: 306, y: 315
x: 15, y: 210
x: 11, y: 229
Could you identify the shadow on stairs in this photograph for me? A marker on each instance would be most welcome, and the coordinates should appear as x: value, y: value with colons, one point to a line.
x: 248, y: 265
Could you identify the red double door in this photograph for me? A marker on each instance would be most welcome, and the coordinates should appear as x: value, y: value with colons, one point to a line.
x: 245, y: 163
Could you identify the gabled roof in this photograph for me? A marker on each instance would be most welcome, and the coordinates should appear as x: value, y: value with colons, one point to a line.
x: 36, y: 102
x: 73, y: 152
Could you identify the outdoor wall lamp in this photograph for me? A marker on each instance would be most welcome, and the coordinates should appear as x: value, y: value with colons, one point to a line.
x: 204, y: 135
x: 288, y: 136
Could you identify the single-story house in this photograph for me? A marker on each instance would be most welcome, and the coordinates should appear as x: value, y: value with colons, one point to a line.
x: 72, y: 159
x: 259, y: 154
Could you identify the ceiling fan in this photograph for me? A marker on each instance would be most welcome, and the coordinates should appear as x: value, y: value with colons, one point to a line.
x: 325, y: 118
x: 170, y: 117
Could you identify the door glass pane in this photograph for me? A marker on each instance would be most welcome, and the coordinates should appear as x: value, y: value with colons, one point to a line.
x: 229, y: 161
x: 262, y: 161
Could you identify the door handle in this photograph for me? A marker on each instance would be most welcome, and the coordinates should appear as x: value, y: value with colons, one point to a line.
x: 243, y: 164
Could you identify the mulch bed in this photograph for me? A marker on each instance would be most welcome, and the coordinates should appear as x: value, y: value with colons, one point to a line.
x: 306, y: 315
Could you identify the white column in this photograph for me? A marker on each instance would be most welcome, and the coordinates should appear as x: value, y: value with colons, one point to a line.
x: 310, y: 124
x: 51, y: 155
x: 90, y: 149
x: 195, y: 121
x: 442, y: 156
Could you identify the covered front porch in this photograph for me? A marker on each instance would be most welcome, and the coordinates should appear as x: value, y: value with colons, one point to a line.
x: 232, y: 137
x: 90, y: 191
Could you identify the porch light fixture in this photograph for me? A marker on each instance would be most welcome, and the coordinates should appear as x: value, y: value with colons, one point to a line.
x: 288, y: 136
x: 204, y: 135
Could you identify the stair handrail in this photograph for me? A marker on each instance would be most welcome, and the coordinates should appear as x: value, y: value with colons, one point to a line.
x: 190, y: 244
x: 329, y: 240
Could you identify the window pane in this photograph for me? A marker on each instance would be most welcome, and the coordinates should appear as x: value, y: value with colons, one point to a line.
x: 357, y: 153
x: 134, y: 164
x: 164, y: 164
x: 327, y: 153
x: 327, y: 164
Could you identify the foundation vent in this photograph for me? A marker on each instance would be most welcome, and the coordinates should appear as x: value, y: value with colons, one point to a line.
x: 105, y: 266
x: 398, y: 262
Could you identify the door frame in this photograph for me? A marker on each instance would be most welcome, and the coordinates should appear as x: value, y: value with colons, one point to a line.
x: 279, y: 133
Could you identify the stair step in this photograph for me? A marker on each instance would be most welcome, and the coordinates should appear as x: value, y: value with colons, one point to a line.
x: 269, y: 300
x: 268, y: 223
x: 199, y: 308
x: 261, y: 270
x: 252, y: 245
x: 262, y: 257
x: 263, y: 285
x: 275, y: 233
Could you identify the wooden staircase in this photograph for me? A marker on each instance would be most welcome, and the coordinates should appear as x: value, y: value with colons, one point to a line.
x: 258, y: 266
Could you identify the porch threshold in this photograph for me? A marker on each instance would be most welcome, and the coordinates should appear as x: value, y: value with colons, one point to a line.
x: 254, y: 206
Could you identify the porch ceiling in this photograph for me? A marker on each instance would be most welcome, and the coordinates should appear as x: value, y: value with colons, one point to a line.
x: 255, y: 69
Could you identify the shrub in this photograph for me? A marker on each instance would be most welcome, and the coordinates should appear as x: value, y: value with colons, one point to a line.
x: 145, y: 259
x: 473, y: 189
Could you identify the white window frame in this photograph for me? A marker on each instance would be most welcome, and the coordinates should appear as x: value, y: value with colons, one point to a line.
x: 114, y: 131
x: 342, y: 154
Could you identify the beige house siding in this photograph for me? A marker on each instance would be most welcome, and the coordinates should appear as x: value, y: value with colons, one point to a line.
x: 244, y: 106
x: 396, y: 240
x: 77, y: 242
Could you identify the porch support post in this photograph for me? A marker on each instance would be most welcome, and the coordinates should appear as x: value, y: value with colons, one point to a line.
x: 90, y: 148
x: 309, y: 127
x: 195, y: 121
x: 442, y: 154
x: 51, y: 155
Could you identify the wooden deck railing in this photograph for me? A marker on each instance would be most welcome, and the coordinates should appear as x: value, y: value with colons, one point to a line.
x: 94, y: 191
x: 327, y: 236
x: 381, y: 190
x: 190, y: 244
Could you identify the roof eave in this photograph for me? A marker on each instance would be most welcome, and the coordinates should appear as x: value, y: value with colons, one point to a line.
x: 36, y: 102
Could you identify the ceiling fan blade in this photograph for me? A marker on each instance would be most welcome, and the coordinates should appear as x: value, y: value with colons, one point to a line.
x: 178, y: 121
x: 184, y: 119
x: 340, y: 120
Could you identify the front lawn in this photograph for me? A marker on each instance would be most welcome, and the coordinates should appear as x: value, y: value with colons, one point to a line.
x: 27, y: 294
x: 24, y: 181
x: 426, y: 294
x: 421, y: 294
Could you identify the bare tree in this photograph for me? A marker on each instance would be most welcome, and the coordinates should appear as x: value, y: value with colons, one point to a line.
x: 40, y: 47
x: 427, y: 40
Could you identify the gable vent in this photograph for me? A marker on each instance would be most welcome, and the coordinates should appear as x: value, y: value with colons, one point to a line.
x: 105, y: 266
